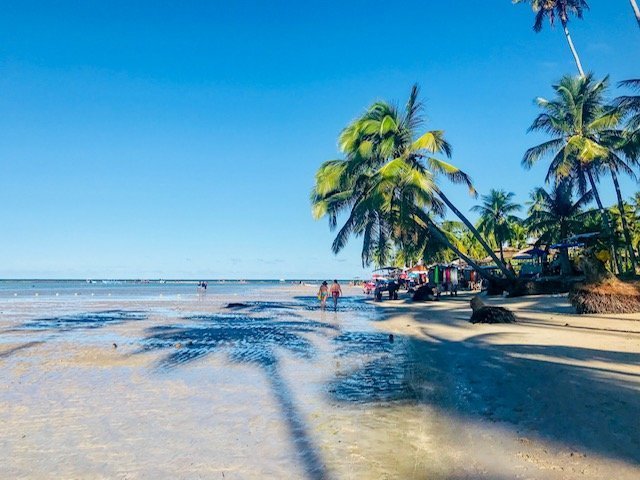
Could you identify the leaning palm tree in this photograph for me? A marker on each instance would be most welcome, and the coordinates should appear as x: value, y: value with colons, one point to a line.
x: 560, y: 9
x: 497, y: 217
x: 580, y: 125
x: 554, y: 216
x: 433, y: 238
x: 389, y: 172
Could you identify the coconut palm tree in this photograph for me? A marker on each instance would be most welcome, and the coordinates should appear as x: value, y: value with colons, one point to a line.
x: 630, y: 105
x: 581, y: 127
x: 497, y: 217
x: 629, y: 221
x: 519, y: 236
x: 558, y: 9
x: 389, y: 174
x: 380, y: 205
x: 554, y: 216
x: 615, y: 164
x: 636, y: 10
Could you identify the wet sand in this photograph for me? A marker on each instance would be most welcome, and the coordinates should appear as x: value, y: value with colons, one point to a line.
x: 279, y: 389
x: 555, y: 396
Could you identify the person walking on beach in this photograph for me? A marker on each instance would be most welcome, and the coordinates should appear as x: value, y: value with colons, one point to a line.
x: 336, y: 291
x: 323, y: 294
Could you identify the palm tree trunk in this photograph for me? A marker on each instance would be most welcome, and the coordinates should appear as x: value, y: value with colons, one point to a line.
x: 443, y: 238
x: 476, y: 234
x: 625, y: 226
x: 636, y: 10
x: 565, y: 263
x: 607, y: 219
x: 573, y: 49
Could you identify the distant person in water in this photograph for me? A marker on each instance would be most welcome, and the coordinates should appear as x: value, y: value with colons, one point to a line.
x: 336, y: 292
x: 323, y: 294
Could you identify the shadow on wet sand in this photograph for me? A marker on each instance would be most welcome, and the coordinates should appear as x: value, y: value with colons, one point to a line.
x: 87, y: 320
x: 249, y: 340
x: 477, y: 380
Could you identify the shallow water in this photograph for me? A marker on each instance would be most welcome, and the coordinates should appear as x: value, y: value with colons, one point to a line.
x: 138, y: 385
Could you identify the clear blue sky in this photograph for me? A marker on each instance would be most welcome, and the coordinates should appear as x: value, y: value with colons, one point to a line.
x: 180, y: 139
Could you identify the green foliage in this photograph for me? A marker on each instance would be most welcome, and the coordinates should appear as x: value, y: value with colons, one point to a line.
x: 552, y: 9
x: 386, y: 183
x: 582, y: 129
x: 555, y: 215
x: 630, y: 106
x: 497, y: 217
x: 632, y: 217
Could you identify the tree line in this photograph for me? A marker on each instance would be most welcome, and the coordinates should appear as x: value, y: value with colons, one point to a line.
x: 388, y: 184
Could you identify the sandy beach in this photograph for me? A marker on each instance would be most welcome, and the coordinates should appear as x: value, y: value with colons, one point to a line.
x: 183, y: 388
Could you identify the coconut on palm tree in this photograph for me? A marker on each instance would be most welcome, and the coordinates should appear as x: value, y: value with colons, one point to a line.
x: 388, y: 177
x: 554, y: 216
x: 497, y: 217
x: 583, y: 137
x: 560, y: 10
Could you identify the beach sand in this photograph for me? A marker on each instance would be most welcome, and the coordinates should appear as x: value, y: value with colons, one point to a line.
x: 283, y: 390
x: 556, y: 395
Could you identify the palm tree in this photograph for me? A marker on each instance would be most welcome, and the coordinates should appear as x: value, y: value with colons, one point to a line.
x: 616, y: 164
x: 627, y: 221
x: 553, y: 216
x: 519, y: 236
x: 636, y: 10
x: 387, y: 178
x: 630, y: 105
x: 636, y: 203
x: 581, y: 129
x: 496, y: 217
x: 560, y: 9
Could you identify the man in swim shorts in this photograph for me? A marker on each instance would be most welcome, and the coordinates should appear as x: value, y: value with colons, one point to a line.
x: 336, y: 292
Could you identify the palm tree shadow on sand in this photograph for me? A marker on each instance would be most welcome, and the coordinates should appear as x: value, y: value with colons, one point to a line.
x: 254, y: 341
x: 65, y: 324
x: 87, y: 320
x: 474, y: 379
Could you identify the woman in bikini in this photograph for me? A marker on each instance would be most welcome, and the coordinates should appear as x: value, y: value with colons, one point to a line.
x: 323, y: 294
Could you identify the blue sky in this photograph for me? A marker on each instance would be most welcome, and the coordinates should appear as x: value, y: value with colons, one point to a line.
x: 180, y: 139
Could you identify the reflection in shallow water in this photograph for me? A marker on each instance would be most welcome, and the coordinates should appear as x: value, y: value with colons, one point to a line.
x: 306, y: 303
x: 382, y: 369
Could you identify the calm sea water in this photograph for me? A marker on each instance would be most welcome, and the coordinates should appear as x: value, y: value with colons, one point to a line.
x: 137, y: 290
